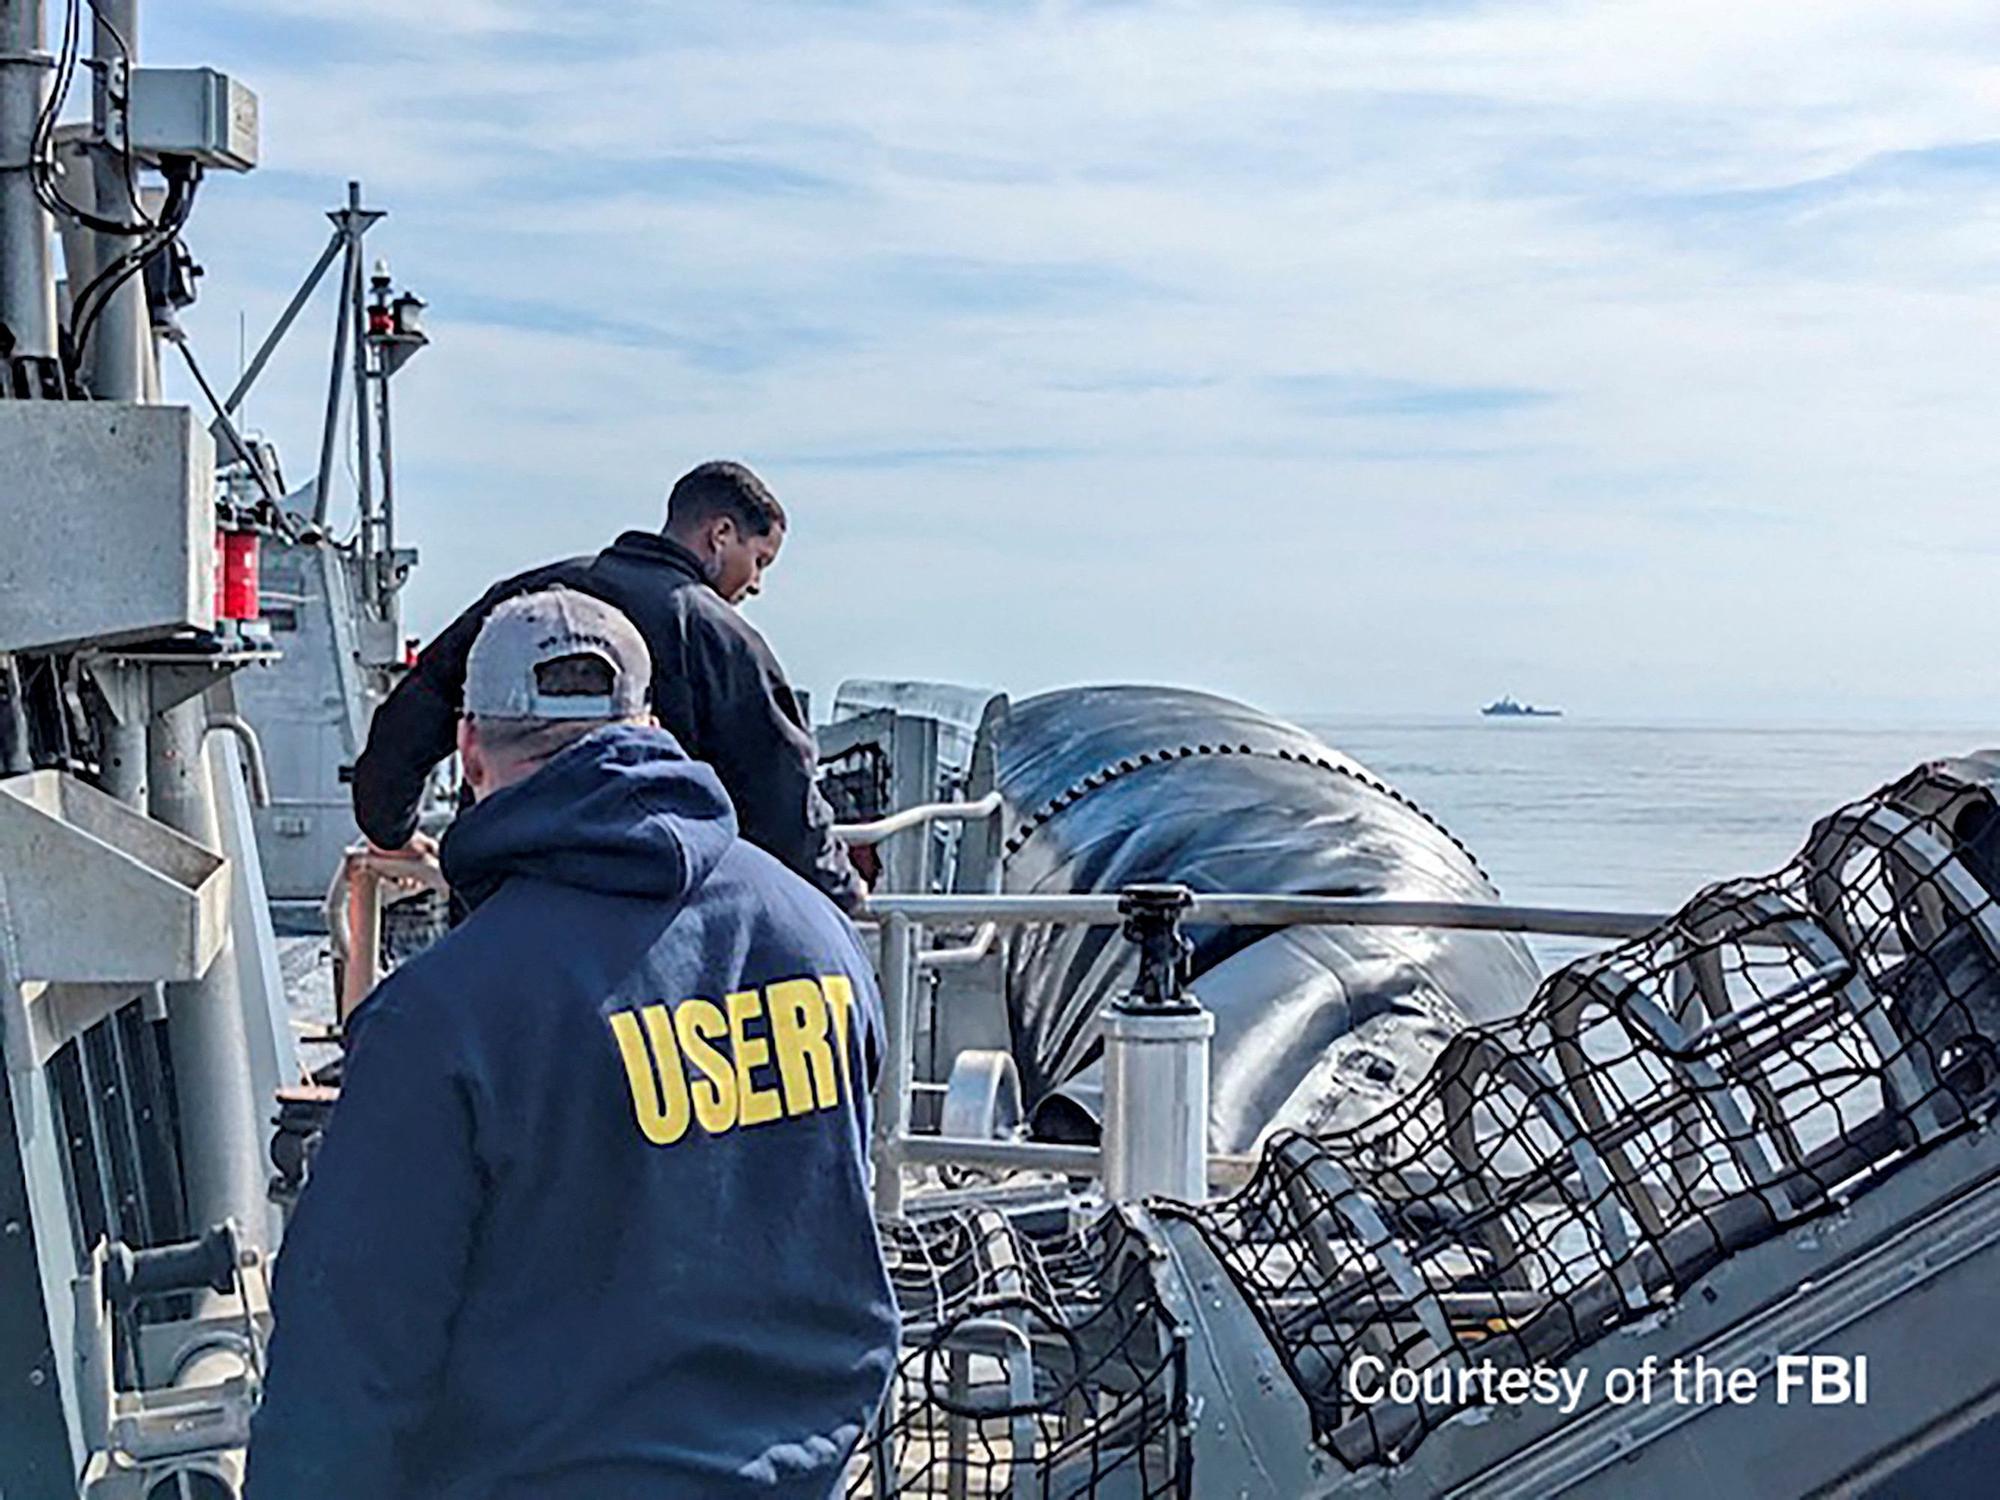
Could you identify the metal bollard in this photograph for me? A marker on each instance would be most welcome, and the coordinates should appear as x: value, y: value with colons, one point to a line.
x: 1156, y: 1042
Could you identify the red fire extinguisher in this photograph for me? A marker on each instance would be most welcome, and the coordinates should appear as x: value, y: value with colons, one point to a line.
x: 236, y: 575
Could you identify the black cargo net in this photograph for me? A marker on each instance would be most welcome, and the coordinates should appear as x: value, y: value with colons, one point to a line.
x: 1033, y: 1364
x: 1778, y: 1046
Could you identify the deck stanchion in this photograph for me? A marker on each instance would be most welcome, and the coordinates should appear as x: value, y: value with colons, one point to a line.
x: 892, y: 1104
x: 1156, y: 1061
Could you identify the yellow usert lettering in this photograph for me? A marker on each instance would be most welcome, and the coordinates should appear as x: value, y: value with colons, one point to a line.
x: 699, y: 1062
x: 799, y: 1022
x: 755, y: 1106
x: 700, y: 1024
x: 653, y: 1068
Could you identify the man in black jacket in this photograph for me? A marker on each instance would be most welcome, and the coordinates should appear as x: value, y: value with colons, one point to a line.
x: 716, y: 685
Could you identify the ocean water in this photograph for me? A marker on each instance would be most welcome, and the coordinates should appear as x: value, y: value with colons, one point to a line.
x: 1566, y: 812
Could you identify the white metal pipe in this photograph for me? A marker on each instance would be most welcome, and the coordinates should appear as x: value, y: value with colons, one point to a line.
x: 958, y: 958
x: 253, y: 753
x: 863, y: 834
x: 1047, y: 1156
x: 222, y: 1148
x: 1022, y: 1156
x: 1144, y: 1158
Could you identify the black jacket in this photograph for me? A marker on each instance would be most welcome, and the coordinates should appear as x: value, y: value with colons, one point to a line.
x: 716, y: 685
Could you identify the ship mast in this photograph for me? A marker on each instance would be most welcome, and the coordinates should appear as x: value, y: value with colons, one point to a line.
x: 142, y: 1023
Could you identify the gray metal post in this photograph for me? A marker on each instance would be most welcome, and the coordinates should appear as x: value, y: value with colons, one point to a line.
x: 221, y: 1151
x: 385, y: 561
x: 115, y: 360
x: 364, y: 415
x: 27, y: 281
x: 121, y: 726
x: 124, y: 767
x: 124, y: 777
x: 329, y: 438
x: 892, y: 1103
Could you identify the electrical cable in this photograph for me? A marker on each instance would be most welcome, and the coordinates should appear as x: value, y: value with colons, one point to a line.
x: 42, y: 170
x: 88, y: 305
x: 40, y: 160
x: 131, y: 160
x: 154, y: 235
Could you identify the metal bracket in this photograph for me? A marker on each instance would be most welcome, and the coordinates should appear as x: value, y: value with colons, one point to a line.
x: 1152, y: 916
x: 982, y: 1100
x: 115, y: 127
x: 140, y: 684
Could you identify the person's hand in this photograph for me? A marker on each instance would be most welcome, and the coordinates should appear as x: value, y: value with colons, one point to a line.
x: 420, y: 846
x: 422, y: 849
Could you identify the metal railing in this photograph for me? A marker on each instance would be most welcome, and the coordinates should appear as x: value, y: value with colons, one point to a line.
x: 353, y: 907
x: 253, y: 753
x: 902, y: 921
x: 354, y: 914
x: 864, y: 834
x: 354, y: 911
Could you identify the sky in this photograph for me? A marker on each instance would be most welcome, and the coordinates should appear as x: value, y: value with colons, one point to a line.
x: 1350, y: 358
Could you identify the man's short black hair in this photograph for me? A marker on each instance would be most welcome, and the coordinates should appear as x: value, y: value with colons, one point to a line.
x: 723, y: 488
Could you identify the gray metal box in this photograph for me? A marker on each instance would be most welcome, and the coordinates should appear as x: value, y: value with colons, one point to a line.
x: 194, y: 112
x: 107, y: 523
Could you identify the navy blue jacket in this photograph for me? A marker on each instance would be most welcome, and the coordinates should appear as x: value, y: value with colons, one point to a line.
x: 591, y: 1220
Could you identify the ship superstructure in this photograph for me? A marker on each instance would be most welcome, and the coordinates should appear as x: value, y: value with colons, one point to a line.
x: 144, y: 1022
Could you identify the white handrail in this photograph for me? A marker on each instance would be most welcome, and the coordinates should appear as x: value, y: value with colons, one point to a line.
x: 864, y: 834
x: 953, y: 958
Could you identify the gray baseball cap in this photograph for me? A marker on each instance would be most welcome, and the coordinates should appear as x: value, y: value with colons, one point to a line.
x: 506, y: 676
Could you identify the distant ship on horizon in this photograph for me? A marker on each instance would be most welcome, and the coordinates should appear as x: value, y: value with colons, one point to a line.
x: 1507, y: 708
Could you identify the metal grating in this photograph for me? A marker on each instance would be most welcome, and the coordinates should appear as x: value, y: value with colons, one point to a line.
x: 856, y: 782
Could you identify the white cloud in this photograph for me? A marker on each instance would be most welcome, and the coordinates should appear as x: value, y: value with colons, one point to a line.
x: 1018, y: 304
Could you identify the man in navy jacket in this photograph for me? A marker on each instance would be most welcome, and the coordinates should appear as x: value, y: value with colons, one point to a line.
x: 591, y: 1220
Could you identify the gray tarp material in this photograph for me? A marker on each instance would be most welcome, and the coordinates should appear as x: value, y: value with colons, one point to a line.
x: 1315, y: 1027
